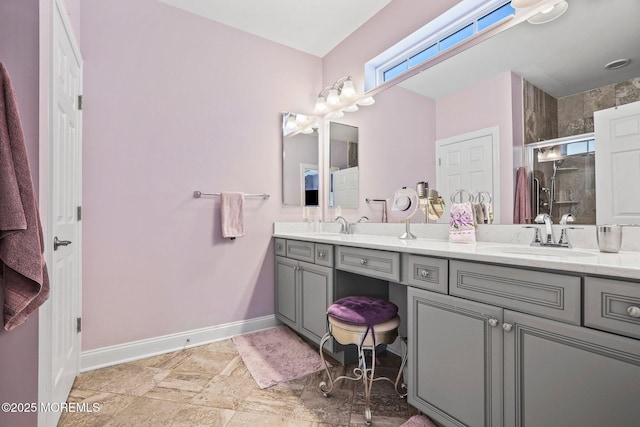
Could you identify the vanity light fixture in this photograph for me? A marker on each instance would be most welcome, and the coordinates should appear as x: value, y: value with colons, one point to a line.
x: 299, y: 123
x: 549, y: 14
x: 339, y: 97
x: 524, y: 4
x: 365, y: 102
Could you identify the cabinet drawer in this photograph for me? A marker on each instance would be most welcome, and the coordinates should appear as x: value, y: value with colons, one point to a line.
x: 612, y: 305
x: 427, y: 273
x: 324, y: 255
x: 369, y: 262
x: 551, y: 295
x: 303, y: 251
x: 280, y: 247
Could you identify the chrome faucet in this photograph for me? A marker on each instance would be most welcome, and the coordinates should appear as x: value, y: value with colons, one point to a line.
x: 546, y: 220
x: 564, y: 236
x: 549, y: 239
x: 363, y: 219
x: 344, y: 225
x: 567, y: 218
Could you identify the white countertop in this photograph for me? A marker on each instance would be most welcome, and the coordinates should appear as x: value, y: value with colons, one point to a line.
x: 624, y: 264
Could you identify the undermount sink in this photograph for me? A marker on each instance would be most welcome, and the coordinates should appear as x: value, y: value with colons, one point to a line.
x: 540, y: 251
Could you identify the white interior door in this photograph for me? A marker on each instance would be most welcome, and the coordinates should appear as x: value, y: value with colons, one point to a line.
x: 59, y: 323
x: 468, y: 162
x: 345, y: 187
x: 617, y: 132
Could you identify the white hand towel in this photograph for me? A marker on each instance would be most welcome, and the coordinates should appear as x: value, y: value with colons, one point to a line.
x: 232, y: 215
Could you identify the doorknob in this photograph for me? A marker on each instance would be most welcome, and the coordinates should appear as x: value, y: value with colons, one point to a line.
x: 57, y: 242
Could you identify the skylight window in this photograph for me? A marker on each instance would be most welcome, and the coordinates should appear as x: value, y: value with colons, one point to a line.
x: 460, y: 23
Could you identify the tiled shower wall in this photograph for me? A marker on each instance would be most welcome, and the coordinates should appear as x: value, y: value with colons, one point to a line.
x: 546, y: 117
x: 575, y: 113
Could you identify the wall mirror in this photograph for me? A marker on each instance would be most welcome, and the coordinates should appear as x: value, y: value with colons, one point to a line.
x: 300, y: 160
x: 562, y: 58
x: 343, y: 165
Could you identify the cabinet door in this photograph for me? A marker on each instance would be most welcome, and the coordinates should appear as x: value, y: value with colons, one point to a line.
x: 455, y: 359
x: 563, y: 375
x: 287, y: 292
x: 316, y: 290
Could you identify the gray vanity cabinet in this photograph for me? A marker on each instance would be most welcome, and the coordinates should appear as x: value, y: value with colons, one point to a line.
x: 287, y: 291
x: 304, y: 290
x: 476, y: 364
x: 455, y: 359
x: 558, y: 374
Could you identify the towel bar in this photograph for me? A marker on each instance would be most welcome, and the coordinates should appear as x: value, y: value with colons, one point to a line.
x: 198, y: 194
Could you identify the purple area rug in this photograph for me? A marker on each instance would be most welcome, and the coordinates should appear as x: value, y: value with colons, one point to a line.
x: 277, y: 355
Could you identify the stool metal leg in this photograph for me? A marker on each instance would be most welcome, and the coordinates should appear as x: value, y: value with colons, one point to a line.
x: 368, y: 383
x: 367, y: 375
x: 323, y: 385
x: 326, y: 389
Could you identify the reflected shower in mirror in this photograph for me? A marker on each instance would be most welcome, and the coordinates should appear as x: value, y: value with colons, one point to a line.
x: 562, y: 85
x: 564, y: 179
x: 300, y: 159
x: 343, y: 165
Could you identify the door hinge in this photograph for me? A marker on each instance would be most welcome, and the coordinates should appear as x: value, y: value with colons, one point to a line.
x: 79, y: 324
x: 439, y: 162
x: 79, y: 213
x: 79, y: 102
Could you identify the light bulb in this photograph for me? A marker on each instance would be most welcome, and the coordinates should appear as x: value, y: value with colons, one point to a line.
x: 333, y: 98
x: 351, y: 108
x: 301, y: 118
x: 336, y: 115
x: 348, y: 91
x: 291, y: 124
x: 321, y: 107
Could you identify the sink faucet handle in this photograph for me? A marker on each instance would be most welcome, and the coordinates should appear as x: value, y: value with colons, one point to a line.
x: 537, y: 238
x: 567, y: 218
x: 542, y: 218
x: 344, y: 227
x: 564, y: 236
x: 363, y: 219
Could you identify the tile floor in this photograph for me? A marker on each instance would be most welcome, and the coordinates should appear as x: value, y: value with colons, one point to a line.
x: 209, y: 385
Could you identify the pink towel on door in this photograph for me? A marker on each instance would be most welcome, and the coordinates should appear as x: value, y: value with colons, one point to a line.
x: 23, y: 273
x: 522, y: 205
x: 232, y: 215
x: 462, y: 228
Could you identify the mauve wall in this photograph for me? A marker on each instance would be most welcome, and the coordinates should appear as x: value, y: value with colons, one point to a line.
x: 397, y: 134
x: 19, y: 53
x: 481, y: 106
x: 176, y: 103
x: 395, y: 148
x: 393, y: 23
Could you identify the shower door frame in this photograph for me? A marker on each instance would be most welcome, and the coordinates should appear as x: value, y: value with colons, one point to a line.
x: 529, y: 160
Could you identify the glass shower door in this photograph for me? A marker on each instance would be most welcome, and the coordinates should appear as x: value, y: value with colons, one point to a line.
x: 563, y: 178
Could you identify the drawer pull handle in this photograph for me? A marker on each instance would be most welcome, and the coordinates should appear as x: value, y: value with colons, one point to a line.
x: 507, y: 327
x: 493, y: 323
x: 363, y: 261
x: 633, y: 311
x: 424, y: 273
x: 321, y: 254
x: 279, y: 247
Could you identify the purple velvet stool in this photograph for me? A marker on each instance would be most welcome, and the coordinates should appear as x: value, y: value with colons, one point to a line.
x: 365, y: 322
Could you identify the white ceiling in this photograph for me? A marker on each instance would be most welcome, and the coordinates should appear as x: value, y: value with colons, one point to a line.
x: 312, y: 26
x: 563, y: 57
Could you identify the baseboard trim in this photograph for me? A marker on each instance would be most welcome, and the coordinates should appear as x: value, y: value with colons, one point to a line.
x: 122, y: 353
